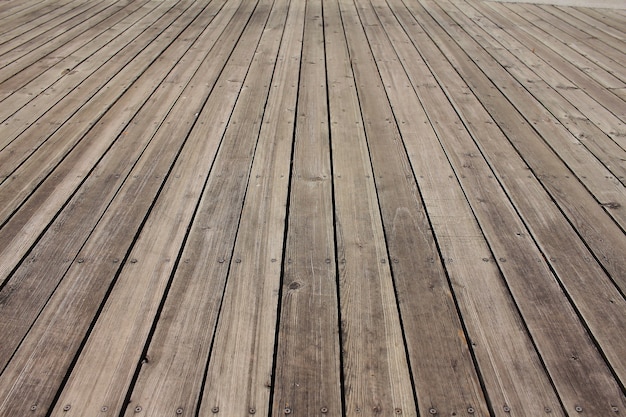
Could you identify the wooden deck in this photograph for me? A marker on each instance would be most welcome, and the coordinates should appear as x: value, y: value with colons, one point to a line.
x: 312, y: 208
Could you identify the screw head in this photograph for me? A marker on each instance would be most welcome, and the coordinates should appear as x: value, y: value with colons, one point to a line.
x: 324, y: 410
x: 179, y: 411
x: 67, y: 407
x: 433, y: 411
x: 33, y: 407
x: 138, y: 409
x: 215, y: 410
x: 104, y: 409
x: 578, y: 409
x: 252, y: 411
x: 507, y: 409
x: 287, y: 410
x: 471, y: 410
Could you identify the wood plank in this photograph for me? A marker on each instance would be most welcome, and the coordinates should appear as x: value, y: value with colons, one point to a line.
x: 605, y: 20
x: 208, y: 260
x: 14, y: 8
x: 441, y: 364
x: 575, y: 86
x: 515, y: 380
x: 597, y: 21
x: 587, y: 33
x: 29, y: 28
x: 541, y: 155
x: 57, y: 335
x: 70, y: 100
x: 307, y: 376
x: 17, y: 119
x: 375, y: 369
x: 36, y: 281
x: 239, y: 377
x: 97, y: 378
x: 35, y: 79
x: 604, y: 56
x: 556, y: 355
x: 550, y: 92
x: 581, y: 62
x: 609, y: 152
x: 49, y: 198
x: 30, y: 52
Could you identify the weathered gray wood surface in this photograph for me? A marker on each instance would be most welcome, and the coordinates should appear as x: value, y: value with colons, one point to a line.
x: 312, y: 208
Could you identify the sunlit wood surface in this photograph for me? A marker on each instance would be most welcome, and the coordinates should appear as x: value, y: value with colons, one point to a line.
x: 312, y: 208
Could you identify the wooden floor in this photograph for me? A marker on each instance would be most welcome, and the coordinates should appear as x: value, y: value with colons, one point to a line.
x: 312, y: 208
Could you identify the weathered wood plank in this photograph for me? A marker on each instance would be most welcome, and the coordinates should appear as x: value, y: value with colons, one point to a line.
x: 607, y: 22
x: 67, y: 100
x: 97, y: 378
x: 604, y: 56
x: 586, y: 33
x: 514, y: 377
x: 33, y: 80
x: 605, y: 110
x: 596, y: 222
x: 198, y: 283
x: 55, y: 189
x: 36, y: 281
x: 11, y: 9
x: 58, y: 333
x: 556, y: 355
x: 539, y: 36
x: 550, y: 91
x: 30, y: 52
x: 375, y: 369
x: 30, y: 30
x: 440, y: 359
x: 239, y: 377
x: 609, y: 152
x: 307, y: 378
